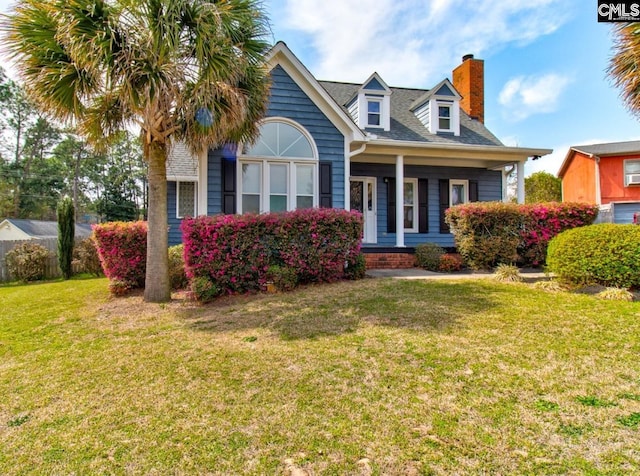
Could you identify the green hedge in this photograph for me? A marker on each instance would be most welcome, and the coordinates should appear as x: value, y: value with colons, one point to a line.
x: 605, y: 254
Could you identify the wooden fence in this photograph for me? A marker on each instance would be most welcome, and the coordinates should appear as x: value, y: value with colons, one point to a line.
x: 52, y: 270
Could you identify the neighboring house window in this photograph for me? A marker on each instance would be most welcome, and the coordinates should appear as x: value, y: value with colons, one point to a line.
x: 444, y: 117
x: 374, y: 112
x: 279, y: 172
x: 458, y: 192
x: 186, y: 199
x: 410, y: 205
x: 631, y: 172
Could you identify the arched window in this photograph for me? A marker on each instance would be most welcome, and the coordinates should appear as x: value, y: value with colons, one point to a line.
x: 279, y: 172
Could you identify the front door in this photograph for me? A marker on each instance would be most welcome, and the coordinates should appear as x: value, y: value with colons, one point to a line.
x: 363, y: 199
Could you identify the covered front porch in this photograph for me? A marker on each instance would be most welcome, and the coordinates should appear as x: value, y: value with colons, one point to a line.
x: 402, y: 192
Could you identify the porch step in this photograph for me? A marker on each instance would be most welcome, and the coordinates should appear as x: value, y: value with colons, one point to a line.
x: 389, y: 260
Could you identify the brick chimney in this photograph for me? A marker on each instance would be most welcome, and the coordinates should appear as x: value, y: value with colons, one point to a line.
x: 468, y: 79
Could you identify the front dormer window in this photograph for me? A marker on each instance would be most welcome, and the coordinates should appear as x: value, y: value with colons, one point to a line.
x: 374, y: 112
x: 439, y: 109
x: 371, y: 108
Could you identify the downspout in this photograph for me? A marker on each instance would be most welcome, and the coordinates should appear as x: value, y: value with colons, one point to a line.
x: 347, y: 172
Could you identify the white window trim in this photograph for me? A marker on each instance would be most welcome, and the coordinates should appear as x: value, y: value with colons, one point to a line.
x: 292, y: 162
x: 414, y: 182
x: 380, y: 101
x: 466, y: 190
x: 195, y: 197
x: 265, y: 192
x: 626, y: 174
x: 434, y: 116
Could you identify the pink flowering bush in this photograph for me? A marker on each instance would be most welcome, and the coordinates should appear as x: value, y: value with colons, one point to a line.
x: 492, y: 233
x: 122, y: 248
x: 235, y: 251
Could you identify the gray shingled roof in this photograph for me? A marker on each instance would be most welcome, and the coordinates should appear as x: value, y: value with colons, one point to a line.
x: 47, y: 229
x: 612, y: 148
x: 405, y: 126
x: 181, y: 162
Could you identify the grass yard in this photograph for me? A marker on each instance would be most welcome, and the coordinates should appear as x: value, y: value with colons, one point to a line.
x: 371, y: 377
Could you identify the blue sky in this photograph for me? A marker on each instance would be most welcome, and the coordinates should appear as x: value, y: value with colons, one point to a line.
x: 545, y: 60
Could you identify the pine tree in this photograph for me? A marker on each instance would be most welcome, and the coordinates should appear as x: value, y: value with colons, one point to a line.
x: 66, y: 232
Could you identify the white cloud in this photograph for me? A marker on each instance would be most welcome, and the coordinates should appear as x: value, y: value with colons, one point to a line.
x: 411, y: 42
x: 524, y: 96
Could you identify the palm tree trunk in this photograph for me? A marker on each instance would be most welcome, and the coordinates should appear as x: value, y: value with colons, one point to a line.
x: 157, y: 288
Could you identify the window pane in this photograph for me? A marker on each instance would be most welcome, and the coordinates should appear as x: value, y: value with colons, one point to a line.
x: 250, y: 203
x: 278, y: 203
x: 304, y: 180
x: 278, y: 178
x: 356, y: 196
x: 374, y: 120
x: 408, y: 193
x: 251, y: 178
x: 444, y: 111
x: 632, y: 167
x: 267, y: 144
x: 304, y: 202
x: 457, y: 194
x: 408, y: 217
x: 373, y: 106
x: 186, y: 198
x: 292, y: 143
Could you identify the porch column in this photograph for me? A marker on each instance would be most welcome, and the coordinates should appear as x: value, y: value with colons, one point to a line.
x: 400, y: 201
x: 520, y: 186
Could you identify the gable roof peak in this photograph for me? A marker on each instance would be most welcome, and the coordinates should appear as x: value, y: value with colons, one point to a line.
x: 444, y: 89
x: 375, y: 83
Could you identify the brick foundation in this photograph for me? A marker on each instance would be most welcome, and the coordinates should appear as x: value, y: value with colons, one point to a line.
x: 389, y: 260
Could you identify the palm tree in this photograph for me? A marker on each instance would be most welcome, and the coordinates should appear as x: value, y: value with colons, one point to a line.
x: 624, y: 66
x: 182, y: 70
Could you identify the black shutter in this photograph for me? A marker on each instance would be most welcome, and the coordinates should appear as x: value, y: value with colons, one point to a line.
x: 473, y: 191
x: 391, y: 204
x: 444, y: 204
x: 228, y: 186
x: 326, y: 187
x: 423, y: 206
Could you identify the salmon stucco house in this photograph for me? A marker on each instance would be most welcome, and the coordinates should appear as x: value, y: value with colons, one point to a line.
x: 607, y: 175
x: 401, y: 156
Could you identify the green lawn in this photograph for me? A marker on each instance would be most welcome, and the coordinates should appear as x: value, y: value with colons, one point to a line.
x: 370, y: 377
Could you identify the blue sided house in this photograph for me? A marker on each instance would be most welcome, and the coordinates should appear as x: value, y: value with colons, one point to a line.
x: 401, y: 156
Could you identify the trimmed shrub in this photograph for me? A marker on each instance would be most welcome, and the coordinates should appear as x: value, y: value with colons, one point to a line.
x: 543, y: 221
x: 356, y: 267
x: 486, y: 234
x: 450, y: 262
x: 122, y: 248
x: 204, y: 290
x: 283, y: 277
x: 85, y: 255
x: 491, y: 233
x: 235, y: 251
x: 428, y: 256
x: 177, y: 276
x: 65, y: 212
x: 27, y: 261
x: 605, y: 254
